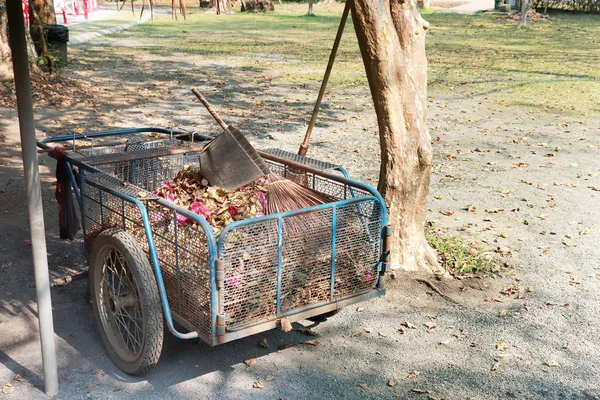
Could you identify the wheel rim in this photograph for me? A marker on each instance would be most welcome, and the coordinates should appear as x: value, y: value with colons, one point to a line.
x: 119, y: 304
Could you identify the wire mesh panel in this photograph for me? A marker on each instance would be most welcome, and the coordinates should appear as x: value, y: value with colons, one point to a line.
x: 250, y: 255
x: 250, y: 258
x: 181, y: 247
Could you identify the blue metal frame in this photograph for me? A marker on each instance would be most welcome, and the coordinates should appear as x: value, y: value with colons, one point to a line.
x: 216, y: 247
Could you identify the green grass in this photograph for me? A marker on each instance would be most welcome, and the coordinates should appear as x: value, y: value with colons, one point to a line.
x: 550, y: 66
x: 460, y: 257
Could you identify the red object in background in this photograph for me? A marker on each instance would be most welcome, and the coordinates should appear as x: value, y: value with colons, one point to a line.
x: 26, y: 12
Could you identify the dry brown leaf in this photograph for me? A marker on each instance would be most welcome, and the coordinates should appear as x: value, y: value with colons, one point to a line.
x: 501, y: 346
x: 543, y: 216
x: 551, y: 363
x: 286, y: 326
x: 420, y: 391
x: 520, y: 164
x: 98, y: 371
x: 408, y: 325
x: 447, y: 213
x: 430, y: 326
x: 470, y: 208
x: 391, y: 383
x: 368, y: 330
x: 596, y: 188
x: 586, y: 231
x: 363, y: 385
x: 286, y: 346
x: 258, y: 384
x: 357, y: 334
x: 91, y: 387
x: 310, y: 343
x: 437, y: 196
x: 269, y: 378
x: 413, y: 375
x: 8, y: 388
x: 502, y: 314
x: 250, y: 362
x: 495, y: 367
x: 401, y: 331
x: 494, y: 210
x: 263, y: 343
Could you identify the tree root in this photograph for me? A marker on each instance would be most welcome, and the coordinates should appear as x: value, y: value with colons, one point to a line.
x: 438, y: 291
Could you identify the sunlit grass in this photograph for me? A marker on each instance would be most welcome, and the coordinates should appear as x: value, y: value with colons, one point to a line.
x: 550, y: 66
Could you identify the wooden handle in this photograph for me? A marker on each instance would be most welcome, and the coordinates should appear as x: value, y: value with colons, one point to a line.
x: 209, y: 108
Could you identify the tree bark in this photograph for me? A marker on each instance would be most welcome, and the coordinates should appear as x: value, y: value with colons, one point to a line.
x: 391, y: 37
x: 45, y: 11
x: 6, y: 71
x: 423, y: 3
x: 310, y: 7
x: 524, y: 11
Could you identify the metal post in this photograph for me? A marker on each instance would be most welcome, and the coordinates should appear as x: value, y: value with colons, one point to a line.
x: 18, y: 46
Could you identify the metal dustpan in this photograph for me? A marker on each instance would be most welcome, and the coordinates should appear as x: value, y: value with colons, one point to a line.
x: 229, y: 161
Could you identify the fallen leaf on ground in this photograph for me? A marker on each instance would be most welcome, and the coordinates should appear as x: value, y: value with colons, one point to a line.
x: 437, y: 196
x: 509, y: 290
x: 596, y: 188
x: 286, y: 326
x: 368, y: 330
x: 408, y: 325
x: 520, y: 164
x: 430, y: 326
x: 494, y: 210
x: 8, y: 388
x: 357, y: 334
x: 420, y: 391
x: 258, y: 385
x: 543, y: 216
x: 391, y: 383
x: 250, y: 362
x: 91, y: 387
x: 28, y: 243
x: 363, y: 385
x: 502, y: 314
x: 286, y: 346
x: 551, y: 363
x: 269, y: 378
x: 586, y: 231
x: 495, y: 367
x: 446, y: 341
x: 310, y: 343
x: 569, y: 243
x: 401, y: 331
x: 446, y: 213
x: 98, y: 371
x: 413, y: 375
x: 263, y: 343
x: 550, y: 303
x: 565, y: 346
x: 470, y: 208
x: 501, y: 346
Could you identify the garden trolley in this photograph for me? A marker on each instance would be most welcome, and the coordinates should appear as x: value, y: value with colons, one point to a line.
x: 151, y: 261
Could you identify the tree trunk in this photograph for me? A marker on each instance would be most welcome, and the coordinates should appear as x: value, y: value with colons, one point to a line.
x: 310, y: 7
x: 423, y: 3
x: 391, y: 37
x: 45, y: 10
x: 6, y: 71
x: 524, y: 11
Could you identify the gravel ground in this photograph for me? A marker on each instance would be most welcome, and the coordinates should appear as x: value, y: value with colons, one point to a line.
x: 536, y: 175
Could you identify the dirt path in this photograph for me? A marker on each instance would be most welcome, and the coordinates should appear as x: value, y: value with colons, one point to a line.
x: 534, y: 174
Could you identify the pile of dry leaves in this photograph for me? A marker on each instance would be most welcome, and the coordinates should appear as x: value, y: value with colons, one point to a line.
x: 219, y: 207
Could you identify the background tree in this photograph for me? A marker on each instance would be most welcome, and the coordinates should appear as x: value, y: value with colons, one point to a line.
x: 44, y: 10
x: 524, y: 10
x: 310, y: 7
x: 5, y: 60
x: 391, y: 37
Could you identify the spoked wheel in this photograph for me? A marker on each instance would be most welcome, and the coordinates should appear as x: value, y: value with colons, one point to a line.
x: 126, y: 302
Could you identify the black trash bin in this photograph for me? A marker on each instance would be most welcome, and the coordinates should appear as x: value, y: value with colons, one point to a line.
x: 57, y: 37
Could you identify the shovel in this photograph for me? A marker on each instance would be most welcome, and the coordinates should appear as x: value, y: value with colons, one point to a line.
x: 229, y: 160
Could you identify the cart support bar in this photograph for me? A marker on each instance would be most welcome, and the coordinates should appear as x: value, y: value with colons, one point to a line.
x: 18, y: 46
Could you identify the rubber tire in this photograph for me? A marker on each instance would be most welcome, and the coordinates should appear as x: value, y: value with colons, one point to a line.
x: 143, y: 276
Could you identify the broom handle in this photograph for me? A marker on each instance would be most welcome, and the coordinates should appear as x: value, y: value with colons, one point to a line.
x: 313, y: 119
x: 209, y: 108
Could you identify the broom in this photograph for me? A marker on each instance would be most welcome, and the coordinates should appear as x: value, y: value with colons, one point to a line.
x: 283, y: 194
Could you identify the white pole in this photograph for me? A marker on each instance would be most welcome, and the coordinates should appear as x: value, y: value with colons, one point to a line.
x: 18, y: 44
